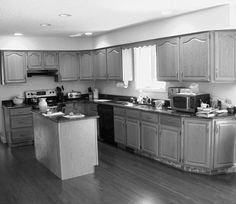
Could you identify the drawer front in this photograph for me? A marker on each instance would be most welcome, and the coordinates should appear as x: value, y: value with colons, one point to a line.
x: 133, y: 114
x: 21, y: 121
x: 20, y: 111
x: 150, y: 117
x: 170, y: 120
x: 119, y: 111
x: 20, y: 135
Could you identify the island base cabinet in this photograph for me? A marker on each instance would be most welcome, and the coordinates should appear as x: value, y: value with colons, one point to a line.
x: 197, y: 143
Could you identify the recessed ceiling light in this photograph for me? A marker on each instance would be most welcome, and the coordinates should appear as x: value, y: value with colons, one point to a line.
x: 88, y: 33
x: 64, y: 15
x: 18, y: 34
x: 76, y: 35
x: 45, y: 24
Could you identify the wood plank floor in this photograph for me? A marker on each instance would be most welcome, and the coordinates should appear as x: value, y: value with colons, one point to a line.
x: 120, y: 178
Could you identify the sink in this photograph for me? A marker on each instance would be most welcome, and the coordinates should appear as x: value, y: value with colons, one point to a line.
x: 102, y: 100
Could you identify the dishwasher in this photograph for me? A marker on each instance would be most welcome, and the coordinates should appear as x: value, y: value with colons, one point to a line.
x: 106, y: 123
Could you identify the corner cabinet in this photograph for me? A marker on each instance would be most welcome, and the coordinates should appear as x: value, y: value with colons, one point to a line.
x: 225, y: 56
x: 168, y: 59
x: 114, y: 63
x: 86, y: 65
x: 195, y: 57
x: 197, y: 142
x: 100, y: 64
x: 68, y: 66
x: 14, y: 67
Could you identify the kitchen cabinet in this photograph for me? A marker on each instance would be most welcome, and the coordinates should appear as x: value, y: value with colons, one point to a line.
x: 86, y: 65
x: 14, y: 67
x: 168, y: 59
x: 225, y: 55
x: 197, y: 142
x: 43, y: 60
x: 68, y: 66
x: 100, y: 64
x: 119, y: 129
x: 170, y: 138
x: 114, y: 63
x: 195, y: 57
x: 18, y: 125
x: 225, y: 137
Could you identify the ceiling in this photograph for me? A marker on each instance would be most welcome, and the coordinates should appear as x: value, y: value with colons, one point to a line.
x: 97, y: 16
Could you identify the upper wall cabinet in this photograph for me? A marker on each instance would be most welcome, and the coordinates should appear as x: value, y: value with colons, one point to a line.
x: 100, y: 64
x: 86, y: 65
x: 42, y: 60
x: 225, y: 56
x: 195, y: 57
x: 14, y: 67
x: 168, y: 59
x: 68, y: 66
x: 114, y: 63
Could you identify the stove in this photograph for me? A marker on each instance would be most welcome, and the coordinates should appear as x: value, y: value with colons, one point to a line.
x: 32, y: 97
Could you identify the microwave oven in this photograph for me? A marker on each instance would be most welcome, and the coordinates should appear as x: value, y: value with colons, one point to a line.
x: 188, y: 102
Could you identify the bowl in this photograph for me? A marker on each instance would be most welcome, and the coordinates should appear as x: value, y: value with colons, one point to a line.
x: 17, y: 100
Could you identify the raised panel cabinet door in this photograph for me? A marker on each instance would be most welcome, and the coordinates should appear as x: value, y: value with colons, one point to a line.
x: 50, y: 60
x: 225, y: 55
x: 197, y: 142
x: 86, y: 65
x: 100, y: 64
x: 119, y: 128
x: 114, y: 63
x: 195, y: 57
x: 68, y: 66
x: 133, y: 133
x: 14, y: 67
x: 149, y: 138
x: 34, y: 60
x: 168, y: 59
x: 225, y: 136
x: 169, y: 143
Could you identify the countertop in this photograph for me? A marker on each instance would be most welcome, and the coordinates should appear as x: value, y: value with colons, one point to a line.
x: 61, y: 119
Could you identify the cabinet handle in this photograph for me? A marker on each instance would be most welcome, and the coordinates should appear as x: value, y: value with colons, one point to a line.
x: 217, y: 129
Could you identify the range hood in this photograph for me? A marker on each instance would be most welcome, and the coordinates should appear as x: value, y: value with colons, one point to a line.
x: 42, y: 72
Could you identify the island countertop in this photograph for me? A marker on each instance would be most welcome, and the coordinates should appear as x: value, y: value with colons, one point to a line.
x: 61, y: 119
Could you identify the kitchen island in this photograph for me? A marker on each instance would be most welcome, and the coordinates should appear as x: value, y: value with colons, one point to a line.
x: 67, y: 147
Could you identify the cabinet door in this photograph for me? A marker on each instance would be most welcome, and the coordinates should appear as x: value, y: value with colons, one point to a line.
x: 169, y: 143
x: 133, y: 133
x: 100, y: 64
x: 225, y: 135
x: 168, y: 59
x: 34, y: 60
x: 114, y: 63
x: 149, y: 138
x: 225, y: 55
x: 86, y: 66
x: 14, y: 67
x: 68, y: 63
x: 50, y: 60
x: 119, y: 128
x: 195, y: 57
x: 197, y: 140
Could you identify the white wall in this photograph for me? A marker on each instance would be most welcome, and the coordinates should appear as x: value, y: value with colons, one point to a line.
x: 207, y: 19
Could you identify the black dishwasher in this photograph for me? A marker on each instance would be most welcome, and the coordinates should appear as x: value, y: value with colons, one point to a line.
x: 106, y: 123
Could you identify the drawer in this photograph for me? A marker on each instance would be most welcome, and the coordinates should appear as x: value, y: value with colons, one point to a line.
x: 119, y: 111
x: 20, y: 135
x: 21, y: 121
x: 170, y: 120
x: 20, y: 111
x: 150, y: 117
x: 133, y: 114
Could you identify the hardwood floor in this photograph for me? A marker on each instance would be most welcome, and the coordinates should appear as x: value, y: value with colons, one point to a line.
x: 120, y: 178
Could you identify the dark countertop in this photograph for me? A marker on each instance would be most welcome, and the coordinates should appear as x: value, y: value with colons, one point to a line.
x: 61, y: 119
x: 10, y: 104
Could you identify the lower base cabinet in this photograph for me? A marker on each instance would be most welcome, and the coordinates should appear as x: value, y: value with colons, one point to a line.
x: 133, y: 133
x: 119, y: 128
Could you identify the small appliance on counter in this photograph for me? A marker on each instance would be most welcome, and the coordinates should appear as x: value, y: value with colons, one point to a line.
x: 73, y: 95
x: 93, y: 93
x: 174, y: 90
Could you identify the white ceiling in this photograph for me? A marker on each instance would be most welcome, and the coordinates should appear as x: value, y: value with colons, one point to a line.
x: 25, y: 16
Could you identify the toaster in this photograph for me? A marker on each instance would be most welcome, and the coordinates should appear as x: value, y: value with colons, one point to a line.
x: 73, y: 95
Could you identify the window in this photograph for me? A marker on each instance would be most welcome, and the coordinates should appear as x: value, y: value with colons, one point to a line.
x: 145, y: 69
